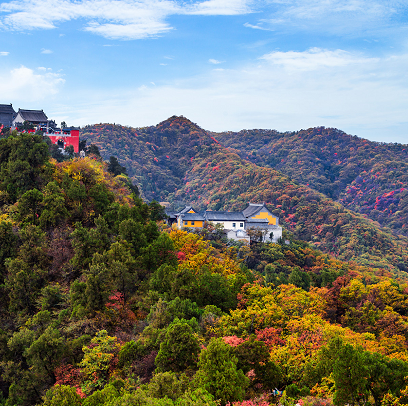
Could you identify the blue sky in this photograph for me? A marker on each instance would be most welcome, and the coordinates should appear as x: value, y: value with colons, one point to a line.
x: 224, y: 64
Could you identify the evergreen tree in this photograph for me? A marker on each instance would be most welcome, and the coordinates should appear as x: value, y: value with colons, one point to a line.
x: 54, y: 211
x: 115, y: 167
x: 180, y: 348
x: 22, y: 159
x: 218, y: 372
x: 350, y: 374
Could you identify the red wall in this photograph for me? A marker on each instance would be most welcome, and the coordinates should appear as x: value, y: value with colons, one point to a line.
x: 72, y: 139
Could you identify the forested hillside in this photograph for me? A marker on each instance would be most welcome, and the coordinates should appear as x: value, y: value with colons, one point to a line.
x: 179, y: 162
x: 156, y: 158
x: 367, y: 177
x: 101, y: 304
x: 220, y: 179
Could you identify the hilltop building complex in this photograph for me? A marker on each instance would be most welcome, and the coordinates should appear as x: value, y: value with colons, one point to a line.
x: 7, y: 114
x: 34, y: 117
x: 255, y: 219
x: 39, y: 121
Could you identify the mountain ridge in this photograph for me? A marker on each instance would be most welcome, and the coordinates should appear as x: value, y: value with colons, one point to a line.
x: 206, y: 169
x: 349, y: 169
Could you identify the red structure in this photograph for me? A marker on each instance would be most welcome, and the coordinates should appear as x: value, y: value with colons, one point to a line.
x: 65, y: 137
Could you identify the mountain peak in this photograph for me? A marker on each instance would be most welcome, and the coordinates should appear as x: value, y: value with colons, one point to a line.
x: 179, y: 122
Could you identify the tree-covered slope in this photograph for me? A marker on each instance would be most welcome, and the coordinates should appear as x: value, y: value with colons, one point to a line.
x: 367, y: 177
x: 101, y: 304
x: 222, y: 180
x: 156, y: 157
x: 178, y: 161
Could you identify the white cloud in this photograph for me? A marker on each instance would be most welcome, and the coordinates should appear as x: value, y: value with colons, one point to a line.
x: 221, y: 7
x: 334, y: 16
x: 311, y: 9
x: 25, y: 85
x: 46, y: 51
x: 4, y: 53
x: 214, y: 61
x: 127, y: 19
x: 314, y: 58
x: 109, y: 18
x: 257, y: 27
x: 115, y: 19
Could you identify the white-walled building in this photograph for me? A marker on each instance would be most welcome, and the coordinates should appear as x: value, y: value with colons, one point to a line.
x: 255, y: 220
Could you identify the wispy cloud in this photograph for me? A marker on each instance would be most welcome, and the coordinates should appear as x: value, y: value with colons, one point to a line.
x: 220, y: 7
x: 314, y: 58
x: 24, y: 84
x: 258, y: 27
x: 4, y: 53
x: 124, y: 19
x: 215, y: 61
x: 310, y: 9
x: 46, y: 51
x: 335, y: 16
x: 114, y: 19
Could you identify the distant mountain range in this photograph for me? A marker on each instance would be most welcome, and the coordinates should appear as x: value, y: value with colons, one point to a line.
x: 346, y: 195
x: 368, y: 177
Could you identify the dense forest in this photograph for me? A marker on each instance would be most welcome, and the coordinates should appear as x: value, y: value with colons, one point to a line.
x: 177, y: 161
x: 156, y: 157
x: 101, y: 303
x: 367, y: 177
x: 223, y: 180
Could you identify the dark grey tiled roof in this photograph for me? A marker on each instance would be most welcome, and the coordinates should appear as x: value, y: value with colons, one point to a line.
x: 258, y: 224
x: 192, y: 216
x: 224, y: 216
x: 69, y: 129
x: 185, y: 210
x: 252, y: 209
x: 7, y: 109
x: 33, y: 115
x: 258, y: 221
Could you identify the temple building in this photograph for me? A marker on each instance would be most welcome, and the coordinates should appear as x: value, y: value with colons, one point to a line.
x: 255, y: 219
x: 7, y: 115
x: 63, y: 137
x: 35, y: 117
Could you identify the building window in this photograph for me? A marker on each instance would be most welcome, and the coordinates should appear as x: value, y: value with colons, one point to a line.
x: 186, y: 223
x: 192, y: 223
x: 241, y: 224
x: 234, y: 225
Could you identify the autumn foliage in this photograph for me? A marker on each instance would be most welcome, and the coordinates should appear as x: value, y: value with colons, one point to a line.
x: 102, y: 303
